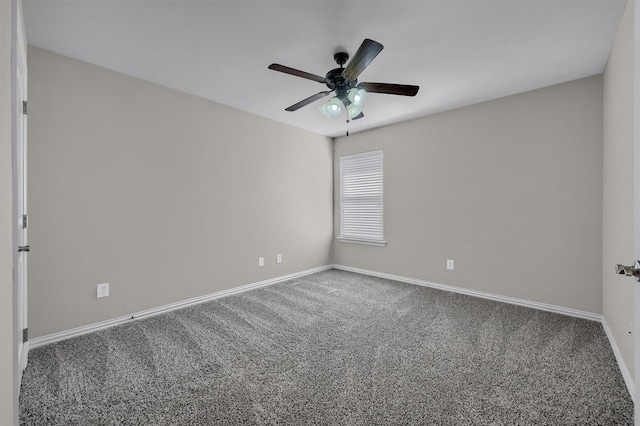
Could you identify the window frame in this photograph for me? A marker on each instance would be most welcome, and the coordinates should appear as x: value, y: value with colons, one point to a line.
x: 370, y: 161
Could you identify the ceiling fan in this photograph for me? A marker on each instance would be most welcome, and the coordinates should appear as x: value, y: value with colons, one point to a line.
x: 344, y: 82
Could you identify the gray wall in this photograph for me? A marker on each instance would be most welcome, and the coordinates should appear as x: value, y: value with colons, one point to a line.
x: 618, y: 244
x: 168, y: 196
x: 164, y: 195
x: 510, y: 189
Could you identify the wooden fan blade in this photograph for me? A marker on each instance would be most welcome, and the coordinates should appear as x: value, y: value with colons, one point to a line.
x: 367, y: 51
x: 307, y: 101
x: 297, y: 73
x: 390, y: 89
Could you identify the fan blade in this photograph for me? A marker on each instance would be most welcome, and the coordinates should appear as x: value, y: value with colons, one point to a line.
x: 297, y: 73
x: 367, y: 51
x: 307, y: 101
x: 390, y: 89
x: 358, y: 117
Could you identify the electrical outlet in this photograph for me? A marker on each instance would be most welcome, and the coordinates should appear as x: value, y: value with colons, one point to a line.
x: 450, y: 264
x: 261, y: 261
x: 103, y: 290
x: 278, y: 258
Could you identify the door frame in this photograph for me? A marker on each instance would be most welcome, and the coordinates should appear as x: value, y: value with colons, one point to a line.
x: 636, y: 203
x: 19, y: 178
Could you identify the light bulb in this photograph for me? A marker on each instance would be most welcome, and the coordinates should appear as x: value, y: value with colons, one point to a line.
x: 357, y: 96
x: 333, y: 108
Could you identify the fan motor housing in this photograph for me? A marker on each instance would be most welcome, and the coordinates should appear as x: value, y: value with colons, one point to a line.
x: 337, y: 82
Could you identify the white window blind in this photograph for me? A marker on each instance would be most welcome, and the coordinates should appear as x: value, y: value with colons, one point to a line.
x: 361, y: 198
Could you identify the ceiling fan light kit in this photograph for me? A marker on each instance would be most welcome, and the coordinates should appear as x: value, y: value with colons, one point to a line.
x: 343, y: 81
x: 353, y: 102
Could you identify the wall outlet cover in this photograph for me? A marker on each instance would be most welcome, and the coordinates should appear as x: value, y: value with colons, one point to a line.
x: 103, y: 290
x: 261, y: 261
x: 450, y: 264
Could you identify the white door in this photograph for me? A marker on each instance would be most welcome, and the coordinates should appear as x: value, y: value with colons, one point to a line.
x: 20, y: 197
x: 634, y: 270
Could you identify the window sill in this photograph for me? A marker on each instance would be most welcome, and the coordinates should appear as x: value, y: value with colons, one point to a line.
x: 377, y: 243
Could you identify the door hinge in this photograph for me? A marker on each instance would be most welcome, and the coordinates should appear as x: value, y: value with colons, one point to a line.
x: 24, y: 107
x: 25, y: 222
x: 25, y: 335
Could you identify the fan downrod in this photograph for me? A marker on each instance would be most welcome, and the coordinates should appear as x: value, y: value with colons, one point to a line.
x: 335, y: 79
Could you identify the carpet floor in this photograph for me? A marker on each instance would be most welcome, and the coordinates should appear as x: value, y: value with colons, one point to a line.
x: 333, y: 348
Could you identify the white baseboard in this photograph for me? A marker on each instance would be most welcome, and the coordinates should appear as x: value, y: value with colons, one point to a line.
x: 512, y: 300
x: 628, y: 378
x: 67, y: 334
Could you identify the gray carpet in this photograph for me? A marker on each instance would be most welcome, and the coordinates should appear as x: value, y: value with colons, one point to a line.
x: 333, y: 348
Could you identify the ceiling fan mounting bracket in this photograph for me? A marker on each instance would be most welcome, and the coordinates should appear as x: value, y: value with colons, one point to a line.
x: 341, y: 58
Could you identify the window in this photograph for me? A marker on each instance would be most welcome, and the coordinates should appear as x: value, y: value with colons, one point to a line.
x: 361, y: 191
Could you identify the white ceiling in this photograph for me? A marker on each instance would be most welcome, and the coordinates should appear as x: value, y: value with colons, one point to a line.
x: 458, y: 52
